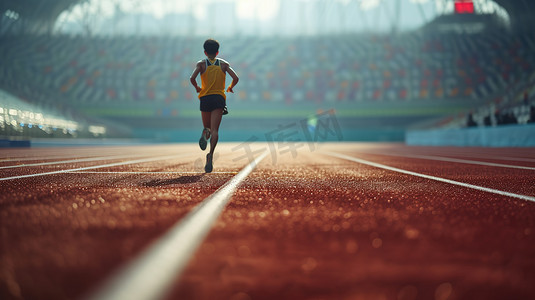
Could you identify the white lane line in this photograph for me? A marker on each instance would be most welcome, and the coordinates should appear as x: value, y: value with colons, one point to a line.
x: 54, y: 156
x: 161, y: 172
x: 73, y: 161
x: 26, y: 158
x: 153, y: 273
x: 456, y: 160
x: 129, y: 162
x: 508, y: 158
x: 476, y: 187
x: 484, y: 156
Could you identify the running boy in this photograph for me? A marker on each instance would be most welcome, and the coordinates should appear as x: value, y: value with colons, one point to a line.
x: 212, y: 95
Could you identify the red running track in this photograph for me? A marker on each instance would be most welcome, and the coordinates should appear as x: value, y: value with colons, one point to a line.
x: 342, y: 221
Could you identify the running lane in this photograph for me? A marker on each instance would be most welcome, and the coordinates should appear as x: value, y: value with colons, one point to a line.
x: 311, y: 226
x: 512, y: 156
x: 63, y: 234
x: 316, y: 226
x: 510, y: 170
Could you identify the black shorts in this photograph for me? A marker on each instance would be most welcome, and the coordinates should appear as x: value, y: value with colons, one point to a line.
x: 211, y: 102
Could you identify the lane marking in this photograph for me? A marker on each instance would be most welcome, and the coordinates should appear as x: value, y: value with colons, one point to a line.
x: 509, y: 158
x: 152, y: 274
x: 87, y: 152
x: 130, y: 162
x: 476, y: 187
x: 26, y: 158
x: 485, y: 156
x: 457, y: 160
x: 148, y: 172
x: 73, y: 161
x: 54, y: 156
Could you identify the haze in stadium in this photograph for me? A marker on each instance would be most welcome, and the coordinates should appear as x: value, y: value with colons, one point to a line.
x: 364, y: 15
x: 373, y: 149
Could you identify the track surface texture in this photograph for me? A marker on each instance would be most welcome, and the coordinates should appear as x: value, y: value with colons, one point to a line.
x: 318, y: 221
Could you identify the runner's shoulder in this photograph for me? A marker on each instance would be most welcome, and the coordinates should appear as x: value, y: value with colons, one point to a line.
x: 224, y: 61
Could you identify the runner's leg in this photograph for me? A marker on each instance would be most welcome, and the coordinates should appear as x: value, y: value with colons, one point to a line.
x: 215, y: 121
x: 206, y: 119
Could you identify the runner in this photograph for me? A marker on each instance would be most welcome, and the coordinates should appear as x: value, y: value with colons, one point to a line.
x: 212, y: 96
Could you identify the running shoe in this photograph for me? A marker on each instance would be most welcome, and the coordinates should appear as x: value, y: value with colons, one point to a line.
x: 205, y: 136
x: 208, y: 167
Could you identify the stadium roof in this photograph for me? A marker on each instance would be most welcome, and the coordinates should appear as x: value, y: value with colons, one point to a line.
x: 37, y: 9
x: 521, y: 12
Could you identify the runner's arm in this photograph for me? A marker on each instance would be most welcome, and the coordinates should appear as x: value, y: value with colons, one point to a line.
x: 193, y: 77
x: 227, y: 68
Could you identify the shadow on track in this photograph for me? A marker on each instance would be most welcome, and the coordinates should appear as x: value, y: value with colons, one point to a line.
x: 180, y: 180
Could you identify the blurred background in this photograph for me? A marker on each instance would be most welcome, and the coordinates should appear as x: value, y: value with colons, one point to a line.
x: 103, y: 69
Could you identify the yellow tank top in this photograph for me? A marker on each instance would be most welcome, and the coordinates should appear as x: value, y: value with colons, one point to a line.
x: 213, y: 79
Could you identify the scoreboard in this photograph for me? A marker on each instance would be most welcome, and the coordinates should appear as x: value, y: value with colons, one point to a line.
x: 464, y: 6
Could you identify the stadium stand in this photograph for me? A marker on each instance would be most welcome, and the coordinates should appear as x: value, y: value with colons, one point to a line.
x: 506, y: 120
x: 454, y: 64
x: 146, y: 76
x: 21, y: 120
x: 515, y: 105
x: 315, y: 69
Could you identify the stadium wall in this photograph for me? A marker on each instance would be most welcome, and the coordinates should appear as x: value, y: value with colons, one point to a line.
x: 500, y: 136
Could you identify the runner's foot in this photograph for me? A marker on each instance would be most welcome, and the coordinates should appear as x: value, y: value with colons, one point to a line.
x: 208, y: 167
x: 205, y: 136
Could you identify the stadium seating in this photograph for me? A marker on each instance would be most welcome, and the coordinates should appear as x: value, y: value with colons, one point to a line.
x: 63, y: 71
